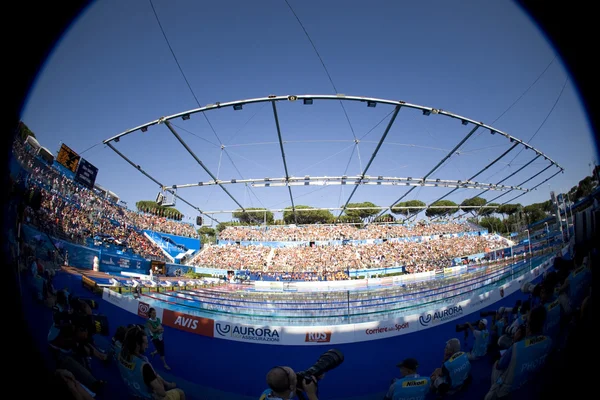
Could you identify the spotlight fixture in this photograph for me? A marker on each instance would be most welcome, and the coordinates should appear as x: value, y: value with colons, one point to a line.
x: 292, y: 98
x: 144, y: 129
x: 372, y: 104
x: 426, y: 112
x: 464, y: 122
x: 117, y: 140
x: 185, y: 117
x: 237, y: 107
x: 493, y: 132
x: 308, y: 102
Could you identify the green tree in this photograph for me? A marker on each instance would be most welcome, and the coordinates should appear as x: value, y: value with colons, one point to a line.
x: 206, y: 230
x: 151, y: 207
x: 313, y: 216
x: 473, y: 202
x: 584, y: 188
x: 24, y: 131
x: 493, y: 224
x: 449, y: 208
x: 361, y: 214
x: 253, y: 215
x: 534, y: 212
x: 486, y: 212
x: 416, y: 207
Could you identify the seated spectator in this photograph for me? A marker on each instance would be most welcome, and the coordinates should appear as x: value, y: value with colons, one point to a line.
x: 455, y: 372
x: 68, y: 385
x: 137, y: 372
x: 411, y: 385
x: 523, y: 359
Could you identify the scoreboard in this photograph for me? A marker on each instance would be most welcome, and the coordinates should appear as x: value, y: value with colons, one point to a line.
x: 68, y: 158
x: 86, y: 174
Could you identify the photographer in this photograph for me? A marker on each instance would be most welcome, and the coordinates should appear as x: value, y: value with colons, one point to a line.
x: 510, y: 332
x: 455, y: 371
x: 411, y: 385
x: 523, y: 359
x: 282, y: 382
x: 482, y: 337
x: 554, y: 312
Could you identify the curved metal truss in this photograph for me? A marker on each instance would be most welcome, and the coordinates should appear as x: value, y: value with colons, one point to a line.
x: 358, y: 180
x: 352, y: 180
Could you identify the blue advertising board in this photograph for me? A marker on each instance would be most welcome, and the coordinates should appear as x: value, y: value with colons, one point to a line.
x: 110, y: 262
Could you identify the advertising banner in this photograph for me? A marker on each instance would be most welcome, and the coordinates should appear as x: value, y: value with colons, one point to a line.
x: 248, y: 333
x: 189, y: 323
x: 128, y: 303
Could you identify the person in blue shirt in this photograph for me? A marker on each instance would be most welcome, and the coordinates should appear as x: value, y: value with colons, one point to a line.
x: 283, y: 385
x: 482, y: 338
x: 411, y: 385
x: 137, y: 372
x: 455, y: 371
x: 523, y: 360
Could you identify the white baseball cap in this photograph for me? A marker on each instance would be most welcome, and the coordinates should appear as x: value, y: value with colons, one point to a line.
x: 483, y: 321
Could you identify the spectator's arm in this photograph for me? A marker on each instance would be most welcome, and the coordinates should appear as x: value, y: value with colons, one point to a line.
x: 153, y: 380
x: 504, y: 361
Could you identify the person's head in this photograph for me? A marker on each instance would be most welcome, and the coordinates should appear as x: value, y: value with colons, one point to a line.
x: 536, y: 320
x: 408, y: 366
x: 151, y: 313
x: 482, y: 325
x: 136, y: 341
x: 452, y: 346
x: 547, y: 290
x: 282, y: 381
x: 120, y: 334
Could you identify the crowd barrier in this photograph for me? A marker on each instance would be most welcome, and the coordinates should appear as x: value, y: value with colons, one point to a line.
x: 326, y: 334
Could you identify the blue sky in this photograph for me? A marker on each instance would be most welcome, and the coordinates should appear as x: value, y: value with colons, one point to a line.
x: 113, y: 70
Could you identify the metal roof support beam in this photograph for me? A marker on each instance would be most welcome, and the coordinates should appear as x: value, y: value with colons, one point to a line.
x: 184, y: 144
x: 287, y: 175
x: 337, y: 97
x: 525, y: 181
x: 158, y: 183
x: 362, y: 176
x: 481, y: 170
x: 499, y: 182
x: 535, y: 187
x: 450, y: 153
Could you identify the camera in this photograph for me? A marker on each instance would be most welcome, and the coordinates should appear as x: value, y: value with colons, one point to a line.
x: 465, y: 327
x: 327, y: 361
x: 489, y: 313
x: 531, y: 289
x: 94, y: 324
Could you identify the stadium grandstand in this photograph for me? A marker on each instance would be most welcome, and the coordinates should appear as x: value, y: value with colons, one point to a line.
x: 350, y: 283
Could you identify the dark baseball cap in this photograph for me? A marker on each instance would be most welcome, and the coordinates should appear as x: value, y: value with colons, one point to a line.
x: 409, y: 363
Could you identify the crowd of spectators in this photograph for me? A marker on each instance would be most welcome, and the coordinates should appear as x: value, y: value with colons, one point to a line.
x: 428, y: 255
x: 340, y: 232
x: 76, y: 213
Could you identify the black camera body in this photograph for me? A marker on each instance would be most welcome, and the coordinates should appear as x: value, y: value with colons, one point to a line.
x: 327, y: 361
x: 465, y: 327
